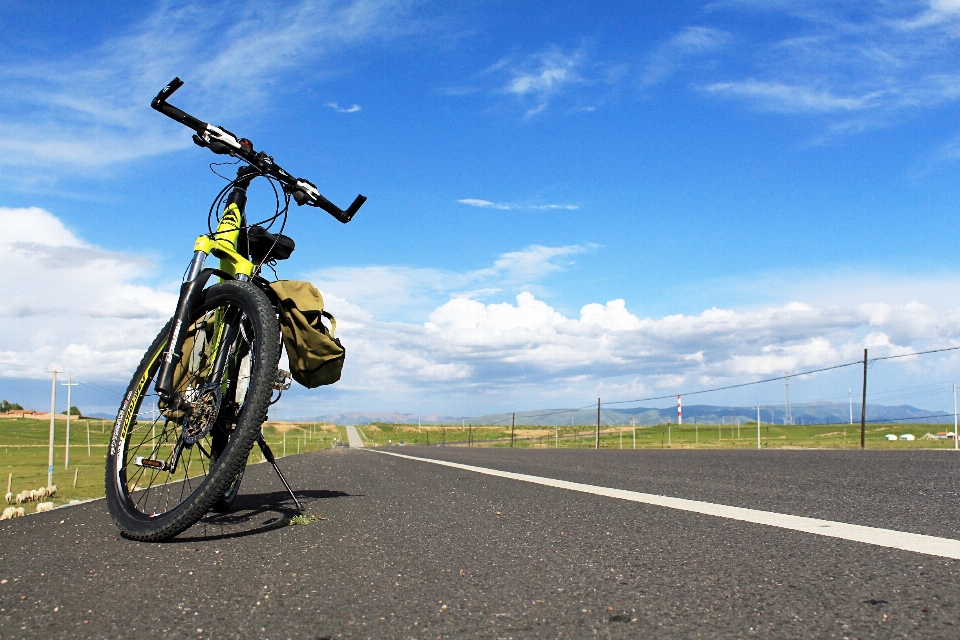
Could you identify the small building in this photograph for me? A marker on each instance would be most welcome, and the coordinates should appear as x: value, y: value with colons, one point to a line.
x: 890, y: 437
x: 908, y: 437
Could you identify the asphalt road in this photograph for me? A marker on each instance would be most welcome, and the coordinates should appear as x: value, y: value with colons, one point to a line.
x: 412, y: 549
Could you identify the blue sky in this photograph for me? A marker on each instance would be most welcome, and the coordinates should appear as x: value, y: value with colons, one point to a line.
x: 766, y: 186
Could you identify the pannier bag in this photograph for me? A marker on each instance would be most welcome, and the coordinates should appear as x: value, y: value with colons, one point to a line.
x: 316, y: 356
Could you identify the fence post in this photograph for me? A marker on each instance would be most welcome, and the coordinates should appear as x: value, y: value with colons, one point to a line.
x: 513, y: 424
x: 863, y: 405
x: 598, y: 423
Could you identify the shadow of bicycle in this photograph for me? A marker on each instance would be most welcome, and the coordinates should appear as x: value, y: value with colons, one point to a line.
x: 255, y: 514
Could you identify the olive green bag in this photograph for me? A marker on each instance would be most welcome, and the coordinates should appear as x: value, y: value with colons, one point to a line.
x: 315, y: 355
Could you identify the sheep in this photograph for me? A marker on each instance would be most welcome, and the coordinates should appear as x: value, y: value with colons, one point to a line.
x: 32, y: 495
x: 52, y: 491
x: 20, y: 512
x: 44, y: 506
x: 41, y: 493
x: 8, y: 496
x: 21, y: 498
x: 8, y: 513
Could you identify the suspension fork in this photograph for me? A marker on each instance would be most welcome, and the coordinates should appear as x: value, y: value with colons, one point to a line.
x: 229, y: 243
x: 196, y: 280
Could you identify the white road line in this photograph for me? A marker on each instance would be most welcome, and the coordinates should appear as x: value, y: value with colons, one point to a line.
x: 354, y: 439
x: 929, y: 545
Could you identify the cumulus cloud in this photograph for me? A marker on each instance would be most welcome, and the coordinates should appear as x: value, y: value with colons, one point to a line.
x: 528, y: 345
x: 70, y: 305
x: 416, y: 332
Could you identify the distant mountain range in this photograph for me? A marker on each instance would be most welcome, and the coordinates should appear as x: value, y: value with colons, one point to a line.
x: 807, y: 413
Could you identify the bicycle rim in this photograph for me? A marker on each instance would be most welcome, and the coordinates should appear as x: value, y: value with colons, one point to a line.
x: 167, y: 467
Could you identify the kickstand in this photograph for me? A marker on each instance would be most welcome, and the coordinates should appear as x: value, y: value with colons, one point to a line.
x: 269, y: 456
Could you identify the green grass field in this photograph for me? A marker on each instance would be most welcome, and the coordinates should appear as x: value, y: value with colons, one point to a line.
x: 24, y: 443
x: 687, y: 436
x: 24, y: 449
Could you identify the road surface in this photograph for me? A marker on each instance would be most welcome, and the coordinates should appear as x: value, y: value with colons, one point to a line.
x: 408, y: 548
x: 354, y: 439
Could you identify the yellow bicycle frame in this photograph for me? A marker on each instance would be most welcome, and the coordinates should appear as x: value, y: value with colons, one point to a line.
x: 223, y: 244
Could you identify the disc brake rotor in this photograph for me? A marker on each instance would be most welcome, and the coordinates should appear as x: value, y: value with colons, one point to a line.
x: 205, y: 407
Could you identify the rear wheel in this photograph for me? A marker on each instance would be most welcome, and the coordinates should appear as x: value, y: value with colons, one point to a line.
x: 167, y: 468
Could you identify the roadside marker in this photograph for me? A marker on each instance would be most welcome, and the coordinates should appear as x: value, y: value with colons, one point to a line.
x: 918, y: 543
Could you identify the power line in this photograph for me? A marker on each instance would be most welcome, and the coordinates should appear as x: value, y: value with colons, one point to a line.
x: 736, y: 386
x: 918, y: 353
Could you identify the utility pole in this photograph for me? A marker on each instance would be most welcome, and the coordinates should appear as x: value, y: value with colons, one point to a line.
x: 788, y: 417
x: 850, y: 395
x: 955, y: 444
x: 863, y: 407
x: 598, y: 423
x: 758, y: 425
x: 66, y: 447
x: 53, y: 416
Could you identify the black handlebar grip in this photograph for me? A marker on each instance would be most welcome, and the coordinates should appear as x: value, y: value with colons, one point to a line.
x: 160, y: 104
x: 167, y: 91
x: 353, y: 208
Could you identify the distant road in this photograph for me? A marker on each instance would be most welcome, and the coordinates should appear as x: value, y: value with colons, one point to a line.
x: 353, y: 438
x: 414, y: 549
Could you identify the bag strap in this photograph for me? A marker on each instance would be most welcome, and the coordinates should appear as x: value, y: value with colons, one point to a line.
x: 333, y: 322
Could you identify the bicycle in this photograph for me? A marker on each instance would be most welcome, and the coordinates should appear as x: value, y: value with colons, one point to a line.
x: 213, y: 369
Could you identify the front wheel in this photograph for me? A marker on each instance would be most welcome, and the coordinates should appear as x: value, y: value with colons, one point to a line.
x: 167, y: 468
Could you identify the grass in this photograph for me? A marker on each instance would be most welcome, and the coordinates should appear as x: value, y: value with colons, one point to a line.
x: 24, y: 449
x: 686, y: 436
x: 24, y: 443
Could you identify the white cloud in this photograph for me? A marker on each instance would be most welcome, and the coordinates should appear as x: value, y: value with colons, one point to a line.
x: 409, y: 293
x: 675, y: 52
x: 476, y: 202
x: 542, y: 76
x: 550, y: 70
x: 92, y: 109
x: 781, y: 97
x: 427, y: 333
x: 333, y: 105
x: 71, y: 305
x: 859, y: 67
x: 529, y: 352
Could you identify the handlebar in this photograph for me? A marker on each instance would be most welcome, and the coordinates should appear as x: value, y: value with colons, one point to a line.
x: 221, y: 141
